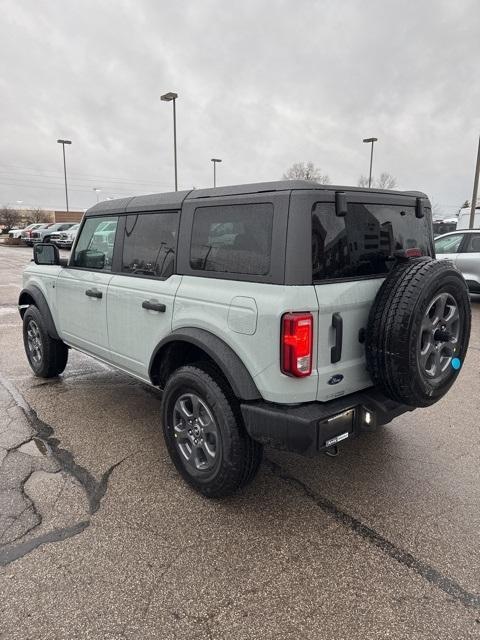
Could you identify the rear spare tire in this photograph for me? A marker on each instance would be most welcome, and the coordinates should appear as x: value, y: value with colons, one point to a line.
x: 418, y: 331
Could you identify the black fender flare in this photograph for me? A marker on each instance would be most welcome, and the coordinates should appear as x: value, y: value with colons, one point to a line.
x: 224, y: 357
x: 34, y: 293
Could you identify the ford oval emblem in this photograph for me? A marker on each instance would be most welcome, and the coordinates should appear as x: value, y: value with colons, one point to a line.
x: 336, y: 379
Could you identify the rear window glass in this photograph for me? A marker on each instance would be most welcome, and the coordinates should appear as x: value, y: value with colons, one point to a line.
x: 362, y: 243
x: 232, y: 239
x: 149, y: 244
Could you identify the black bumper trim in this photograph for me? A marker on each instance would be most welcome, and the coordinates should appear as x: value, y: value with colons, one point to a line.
x: 306, y: 428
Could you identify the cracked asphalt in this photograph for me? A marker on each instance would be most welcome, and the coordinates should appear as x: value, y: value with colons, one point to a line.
x: 99, y: 537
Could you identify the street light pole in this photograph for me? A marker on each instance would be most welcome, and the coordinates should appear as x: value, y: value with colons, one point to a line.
x: 372, y: 140
x: 475, y: 189
x: 215, y: 160
x: 63, y: 143
x: 171, y: 97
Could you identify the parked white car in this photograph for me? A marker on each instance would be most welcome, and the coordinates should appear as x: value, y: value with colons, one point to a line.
x: 15, y: 233
x: 463, y: 249
x: 28, y: 238
x: 65, y: 239
x: 27, y: 232
x: 24, y: 232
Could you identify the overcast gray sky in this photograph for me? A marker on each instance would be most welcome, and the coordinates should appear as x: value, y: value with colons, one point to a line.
x: 261, y: 84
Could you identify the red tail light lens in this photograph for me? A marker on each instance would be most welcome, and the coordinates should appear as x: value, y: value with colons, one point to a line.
x: 297, y: 344
x: 414, y: 252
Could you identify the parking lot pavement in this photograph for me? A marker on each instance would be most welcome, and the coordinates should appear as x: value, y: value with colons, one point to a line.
x: 99, y: 538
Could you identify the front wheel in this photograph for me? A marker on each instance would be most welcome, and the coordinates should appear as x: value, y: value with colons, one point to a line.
x: 47, y: 357
x: 204, y: 433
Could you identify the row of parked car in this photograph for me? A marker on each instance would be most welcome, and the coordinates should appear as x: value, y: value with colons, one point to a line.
x: 61, y: 234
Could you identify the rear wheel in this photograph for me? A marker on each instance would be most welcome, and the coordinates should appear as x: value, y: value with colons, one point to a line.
x: 47, y: 357
x: 205, y: 435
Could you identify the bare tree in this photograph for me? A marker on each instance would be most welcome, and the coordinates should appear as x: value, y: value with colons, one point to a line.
x: 37, y: 215
x: 363, y: 182
x: 385, y: 181
x: 436, y: 210
x: 306, y: 171
x: 9, y: 217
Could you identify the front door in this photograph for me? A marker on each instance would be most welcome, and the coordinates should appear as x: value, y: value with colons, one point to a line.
x: 468, y: 261
x: 447, y: 247
x: 82, y: 287
x: 140, y: 299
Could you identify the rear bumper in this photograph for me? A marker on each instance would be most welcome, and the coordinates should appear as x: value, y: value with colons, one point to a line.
x: 313, y: 427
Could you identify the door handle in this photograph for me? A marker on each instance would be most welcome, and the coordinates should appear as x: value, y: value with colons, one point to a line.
x: 154, y: 306
x: 336, y: 351
x: 94, y: 293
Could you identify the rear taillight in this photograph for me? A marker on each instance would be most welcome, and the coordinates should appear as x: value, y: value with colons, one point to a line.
x: 414, y: 252
x: 404, y: 254
x: 297, y: 344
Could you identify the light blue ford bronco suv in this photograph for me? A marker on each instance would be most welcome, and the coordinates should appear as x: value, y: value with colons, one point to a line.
x: 288, y: 314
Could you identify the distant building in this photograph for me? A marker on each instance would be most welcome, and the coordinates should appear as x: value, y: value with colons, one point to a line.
x: 67, y: 216
x: 52, y: 215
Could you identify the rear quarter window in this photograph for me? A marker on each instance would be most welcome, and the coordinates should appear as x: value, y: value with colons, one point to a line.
x: 232, y: 239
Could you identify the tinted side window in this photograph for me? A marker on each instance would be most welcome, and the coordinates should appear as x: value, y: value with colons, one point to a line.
x: 473, y: 243
x: 94, y: 248
x: 150, y: 243
x: 362, y: 243
x: 232, y: 239
x: 449, y: 244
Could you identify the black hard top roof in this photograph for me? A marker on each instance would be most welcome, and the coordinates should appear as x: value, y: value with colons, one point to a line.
x: 174, y: 199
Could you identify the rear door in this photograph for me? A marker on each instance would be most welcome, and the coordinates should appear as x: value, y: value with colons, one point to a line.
x: 140, y: 298
x: 351, y: 255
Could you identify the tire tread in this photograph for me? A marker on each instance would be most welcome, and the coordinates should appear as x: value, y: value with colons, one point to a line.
x: 391, y: 344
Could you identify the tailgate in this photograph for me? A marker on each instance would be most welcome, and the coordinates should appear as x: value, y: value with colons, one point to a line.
x: 342, y: 320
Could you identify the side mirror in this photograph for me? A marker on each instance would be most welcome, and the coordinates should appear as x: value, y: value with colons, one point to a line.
x: 44, y: 253
x: 90, y: 259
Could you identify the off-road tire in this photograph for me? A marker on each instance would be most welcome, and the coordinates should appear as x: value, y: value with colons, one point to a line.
x: 54, y: 353
x: 395, y: 331
x: 239, y: 457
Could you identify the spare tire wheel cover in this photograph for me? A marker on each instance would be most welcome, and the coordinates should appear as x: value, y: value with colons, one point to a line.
x: 418, y: 331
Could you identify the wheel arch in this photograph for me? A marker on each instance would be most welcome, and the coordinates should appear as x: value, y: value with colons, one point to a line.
x: 32, y: 295
x: 185, y: 346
